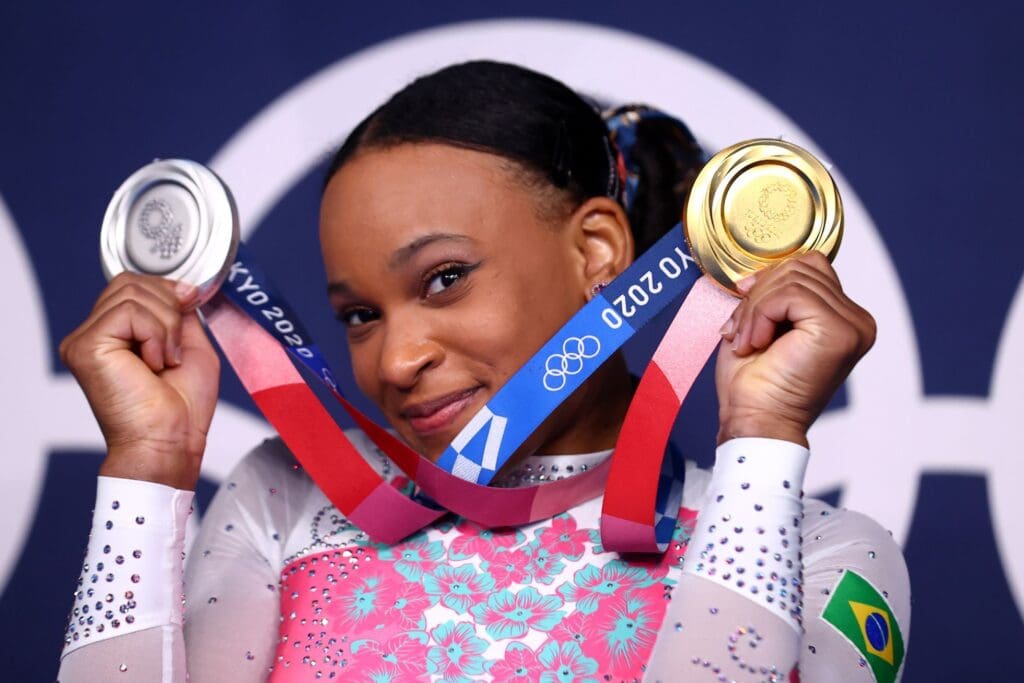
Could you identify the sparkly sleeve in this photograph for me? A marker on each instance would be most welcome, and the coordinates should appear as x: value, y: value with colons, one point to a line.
x: 231, y: 578
x: 856, y: 600
x: 231, y: 614
x: 751, y: 603
x: 735, y: 614
x: 125, y: 622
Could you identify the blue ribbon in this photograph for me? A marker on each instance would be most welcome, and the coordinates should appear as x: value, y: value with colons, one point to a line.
x: 662, y: 274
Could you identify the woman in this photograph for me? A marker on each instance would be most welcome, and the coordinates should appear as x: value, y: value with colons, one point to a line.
x: 462, y: 224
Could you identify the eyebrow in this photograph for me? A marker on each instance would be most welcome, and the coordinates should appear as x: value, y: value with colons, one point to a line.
x: 402, y: 255
x: 338, y: 287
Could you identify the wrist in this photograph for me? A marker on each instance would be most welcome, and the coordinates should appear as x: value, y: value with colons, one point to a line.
x: 762, y: 425
x: 156, y: 463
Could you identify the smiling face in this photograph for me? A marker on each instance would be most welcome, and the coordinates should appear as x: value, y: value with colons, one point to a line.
x: 448, y: 276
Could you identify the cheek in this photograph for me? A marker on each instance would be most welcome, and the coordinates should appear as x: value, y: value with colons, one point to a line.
x: 364, y: 360
x: 495, y: 340
x: 511, y: 325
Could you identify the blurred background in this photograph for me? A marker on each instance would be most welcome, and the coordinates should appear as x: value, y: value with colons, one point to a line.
x: 916, y: 105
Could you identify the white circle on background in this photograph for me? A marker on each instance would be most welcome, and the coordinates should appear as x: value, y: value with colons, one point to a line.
x: 875, y: 448
x: 889, y: 433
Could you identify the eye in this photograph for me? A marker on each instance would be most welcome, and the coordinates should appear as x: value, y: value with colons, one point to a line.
x: 444, y: 277
x: 357, y: 315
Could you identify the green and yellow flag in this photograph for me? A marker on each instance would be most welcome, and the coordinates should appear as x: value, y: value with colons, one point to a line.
x: 863, y: 616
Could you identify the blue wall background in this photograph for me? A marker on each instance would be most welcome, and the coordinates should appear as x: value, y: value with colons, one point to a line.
x: 919, y: 104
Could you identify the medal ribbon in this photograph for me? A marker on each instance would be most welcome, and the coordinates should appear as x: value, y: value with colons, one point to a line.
x: 259, y: 317
x: 644, y: 491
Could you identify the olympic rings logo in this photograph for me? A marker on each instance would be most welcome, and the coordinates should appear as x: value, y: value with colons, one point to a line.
x: 559, y: 366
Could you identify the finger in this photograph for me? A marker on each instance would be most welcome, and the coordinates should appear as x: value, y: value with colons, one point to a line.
x: 812, y: 269
x: 816, y: 272
x: 812, y: 266
x: 809, y: 279
x: 194, y: 337
x: 125, y: 326
x: 803, y: 308
x: 817, y: 262
x: 157, y: 303
x: 177, y: 295
x: 764, y: 279
x: 199, y: 371
x: 747, y: 334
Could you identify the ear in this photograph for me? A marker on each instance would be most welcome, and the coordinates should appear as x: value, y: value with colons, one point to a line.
x: 603, y: 241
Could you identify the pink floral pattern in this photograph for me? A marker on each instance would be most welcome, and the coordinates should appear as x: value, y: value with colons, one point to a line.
x: 563, y: 538
x: 458, y: 587
x: 590, y: 584
x: 566, y: 663
x: 400, y: 659
x: 475, y: 540
x: 457, y: 654
x: 363, y: 600
x: 626, y: 626
x: 520, y: 665
x: 406, y: 610
x: 508, y: 567
x: 460, y: 604
x: 512, y: 615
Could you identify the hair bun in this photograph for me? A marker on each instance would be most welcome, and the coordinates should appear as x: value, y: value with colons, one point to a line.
x: 661, y: 159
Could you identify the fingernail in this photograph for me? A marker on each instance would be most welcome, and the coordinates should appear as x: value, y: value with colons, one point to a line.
x: 184, y: 291
x: 746, y: 283
x: 727, y: 327
x: 177, y: 355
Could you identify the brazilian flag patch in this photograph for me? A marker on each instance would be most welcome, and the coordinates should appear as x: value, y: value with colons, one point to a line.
x: 863, y: 616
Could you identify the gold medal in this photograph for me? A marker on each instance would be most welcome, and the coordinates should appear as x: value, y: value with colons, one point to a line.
x: 757, y: 203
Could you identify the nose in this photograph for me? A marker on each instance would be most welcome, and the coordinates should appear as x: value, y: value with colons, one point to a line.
x: 407, y: 352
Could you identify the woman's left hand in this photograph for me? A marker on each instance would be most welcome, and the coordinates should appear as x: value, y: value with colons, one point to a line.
x: 788, y: 346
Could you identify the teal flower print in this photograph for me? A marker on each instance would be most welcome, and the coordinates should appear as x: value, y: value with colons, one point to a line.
x: 417, y: 556
x: 458, y: 653
x: 457, y: 587
x: 566, y: 663
x: 591, y: 584
x: 511, y: 615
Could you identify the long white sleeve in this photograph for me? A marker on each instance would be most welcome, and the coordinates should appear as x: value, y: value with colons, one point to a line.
x: 751, y: 603
x: 231, y: 579
x: 126, y: 622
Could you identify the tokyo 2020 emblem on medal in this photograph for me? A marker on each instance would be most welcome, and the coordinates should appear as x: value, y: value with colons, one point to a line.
x: 173, y: 218
x: 757, y: 203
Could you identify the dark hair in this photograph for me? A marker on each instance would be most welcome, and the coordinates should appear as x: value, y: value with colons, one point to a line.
x: 543, y: 126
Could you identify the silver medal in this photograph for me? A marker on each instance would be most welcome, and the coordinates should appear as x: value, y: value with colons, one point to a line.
x: 173, y: 218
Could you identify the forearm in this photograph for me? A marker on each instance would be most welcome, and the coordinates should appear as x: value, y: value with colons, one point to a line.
x: 753, y: 594
x: 738, y: 603
x: 127, y: 612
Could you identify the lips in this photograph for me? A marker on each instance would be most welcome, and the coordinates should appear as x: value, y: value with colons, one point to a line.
x: 439, y: 414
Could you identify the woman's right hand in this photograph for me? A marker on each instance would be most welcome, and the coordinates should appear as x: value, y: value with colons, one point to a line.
x: 151, y: 377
